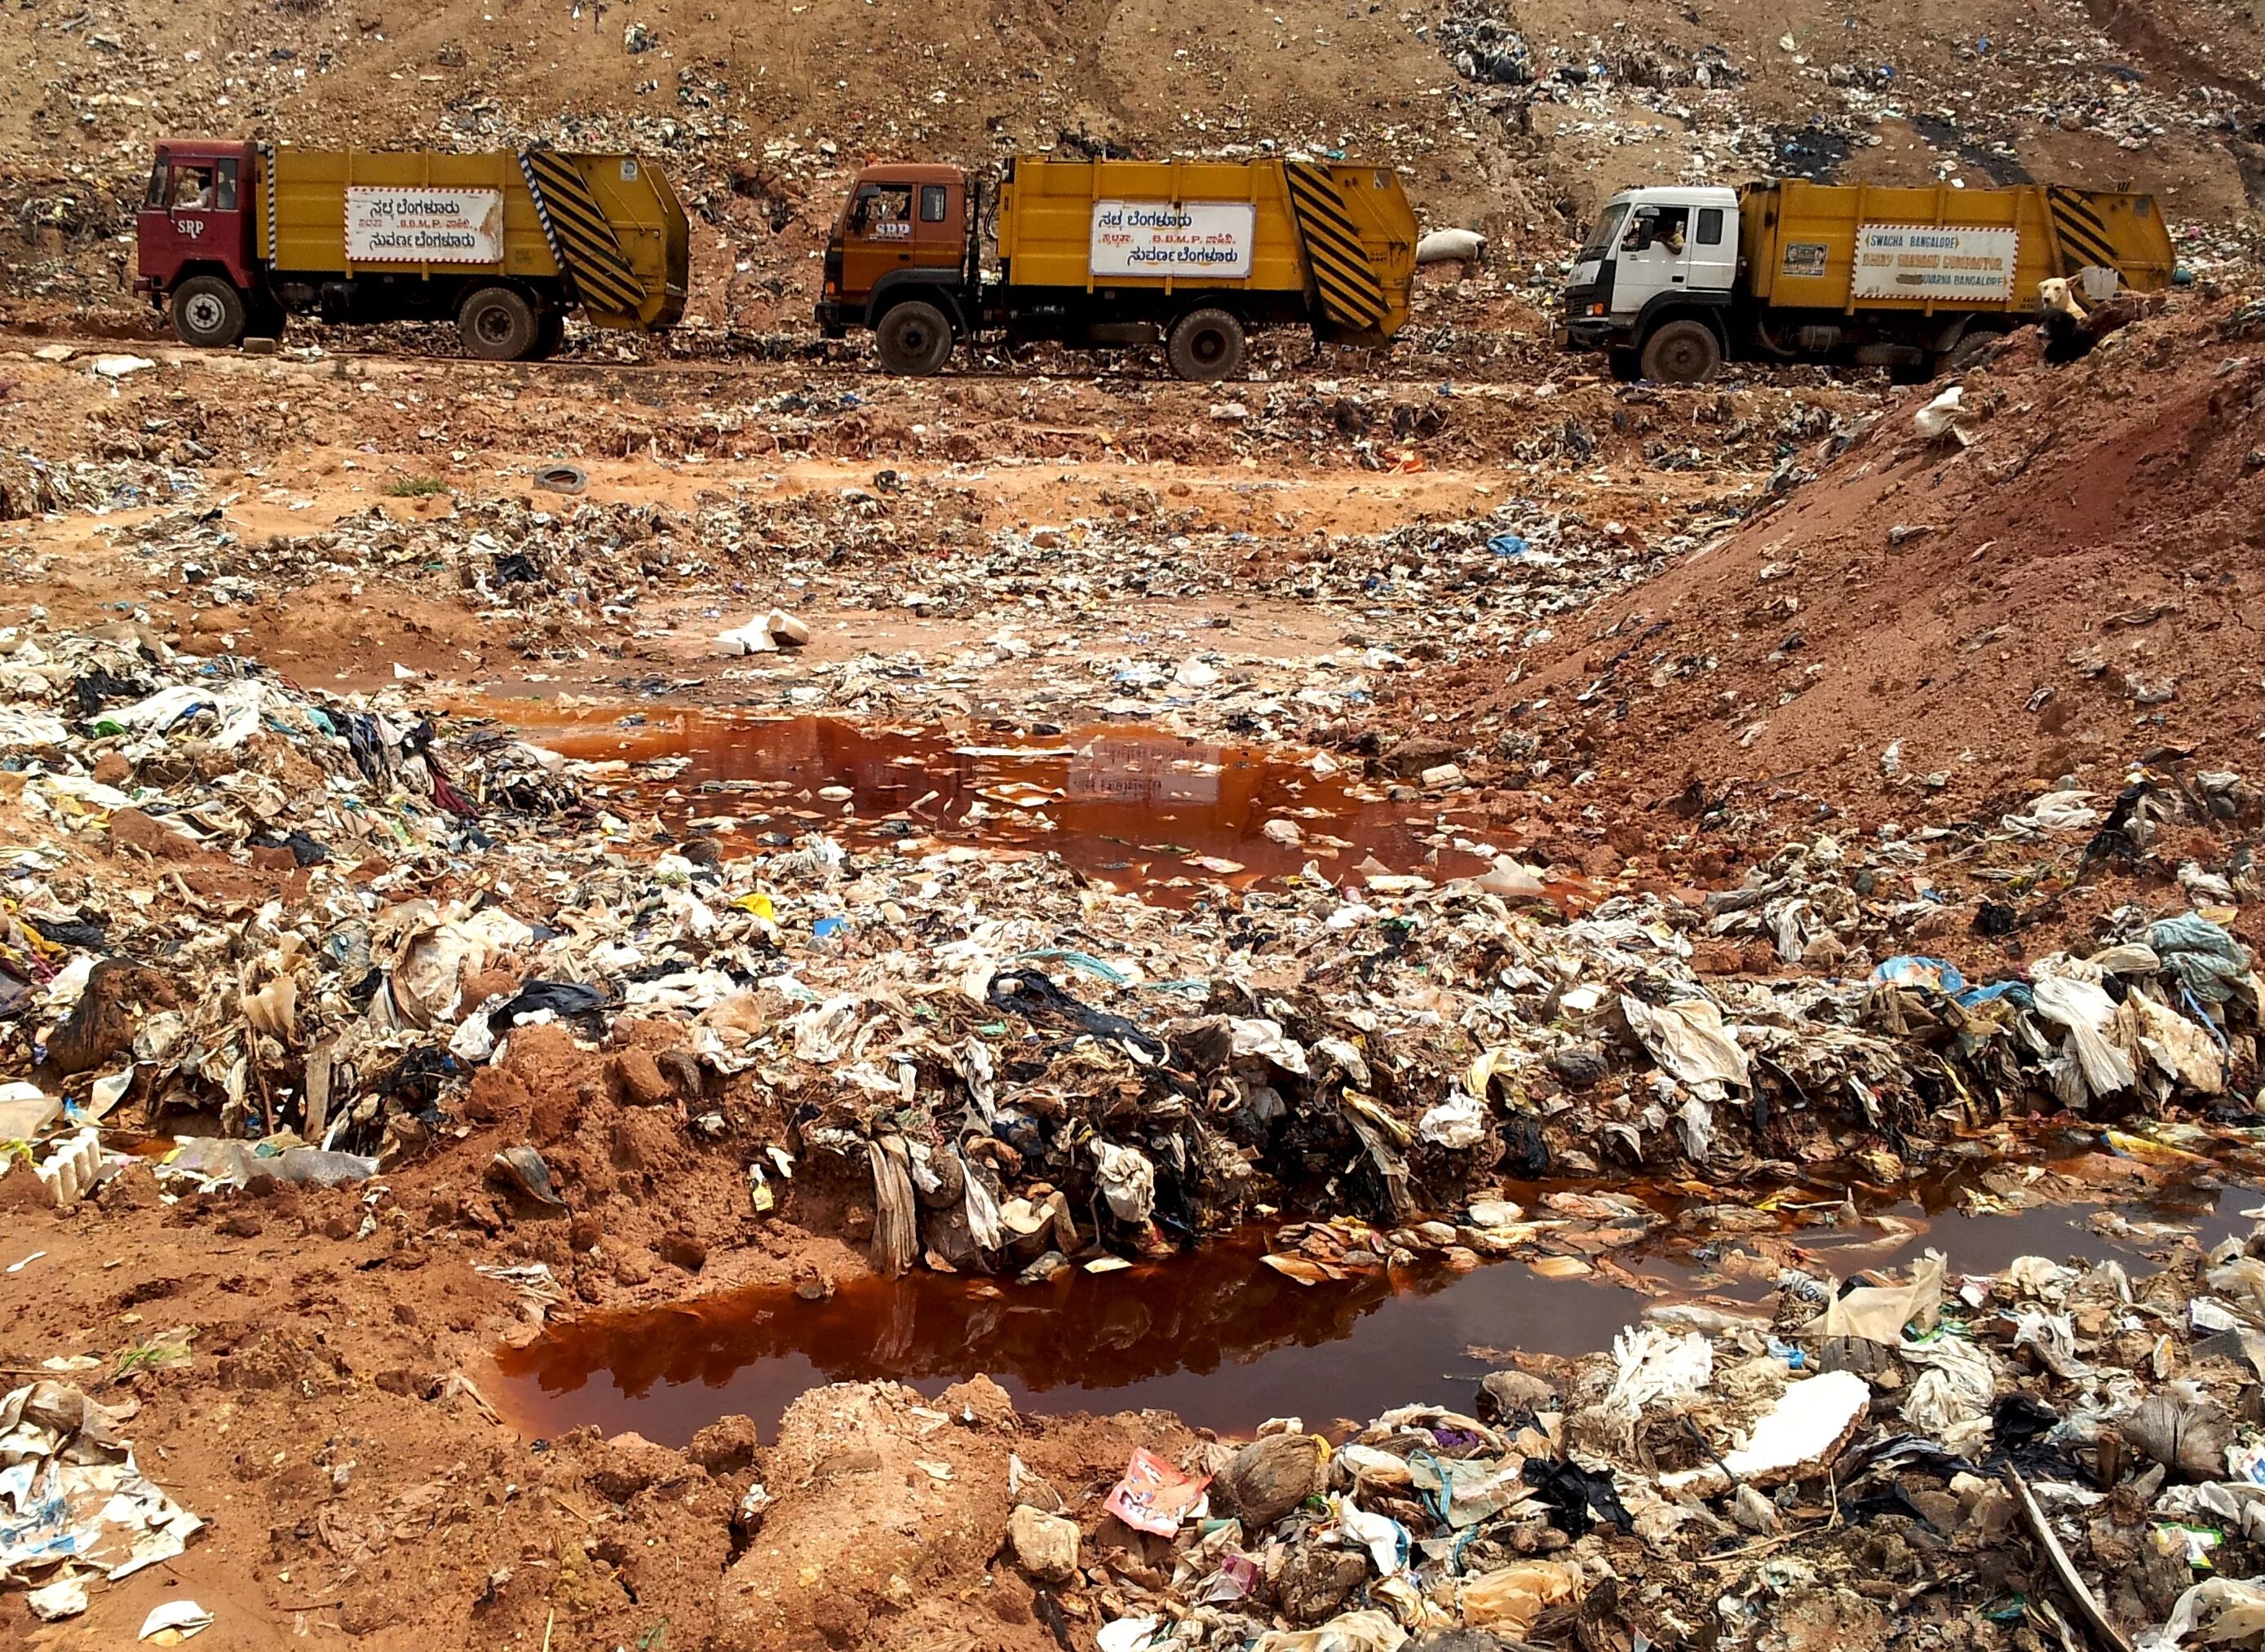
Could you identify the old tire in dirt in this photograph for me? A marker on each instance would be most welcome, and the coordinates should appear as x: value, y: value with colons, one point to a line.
x: 497, y: 324
x: 1682, y: 352
x: 1205, y: 343
x: 915, y: 340
x: 208, y: 312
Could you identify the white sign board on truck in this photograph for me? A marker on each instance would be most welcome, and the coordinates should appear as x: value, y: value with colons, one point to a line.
x: 424, y: 226
x: 1198, y: 240
x: 1945, y: 264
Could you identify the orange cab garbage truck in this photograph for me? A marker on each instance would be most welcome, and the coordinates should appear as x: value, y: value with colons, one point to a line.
x: 1114, y: 254
x: 232, y: 238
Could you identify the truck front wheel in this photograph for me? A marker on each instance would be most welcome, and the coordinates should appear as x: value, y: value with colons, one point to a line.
x: 1205, y: 343
x: 1682, y: 352
x: 497, y: 324
x: 208, y: 312
x: 915, y: 338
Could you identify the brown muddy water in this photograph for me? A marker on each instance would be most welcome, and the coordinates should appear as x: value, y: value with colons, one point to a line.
x: 1135, y: 807
x: 1215, y: 1335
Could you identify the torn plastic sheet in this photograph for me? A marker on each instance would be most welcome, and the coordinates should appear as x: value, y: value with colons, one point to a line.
x: 1689, y: 1040
x: 236, y: 705
x: 2217, y: 1612
x: 2208, y: 961
x: 2177, y: 1046
x: 1458, y: 1121
x: 1367, y: 1630
x: 1384, y: 1537
x: 73, y: 1491
x: 219, y: 1161
x: 1467, y: 1490
x: 1951, y: 1398
x: 1382, y: 1136
x: 2089, y: 1014
x: 1878, y: 1313
x: 1127, y: 1179
x: 24, y: 727
x: 896, y: 1222
x: 1154, y: 1496
x: 982, y: 1208
x: 1266, y: 1040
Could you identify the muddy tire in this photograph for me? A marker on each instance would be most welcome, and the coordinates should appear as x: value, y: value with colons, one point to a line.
x: 208, y: 312
x: 1972, y: 346
x: 497, y: 324
x: 1205, y: 343
x: 1682, y: 352
x: 550, y: 335
x: 915, y: 340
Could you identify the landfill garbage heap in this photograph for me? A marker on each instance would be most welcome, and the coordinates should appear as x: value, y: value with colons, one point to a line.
x: 2048, y: 1455
x: 292, y: 928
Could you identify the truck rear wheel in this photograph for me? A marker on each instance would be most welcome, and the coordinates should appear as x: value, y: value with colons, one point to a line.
x: 1205, y: 343
x: 497, y: 324
x: 915, y: 338
x: 1682, y: 352
x: 208, y: 312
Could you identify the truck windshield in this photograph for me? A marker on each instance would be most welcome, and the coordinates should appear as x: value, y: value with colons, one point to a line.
x: 1607, y: 231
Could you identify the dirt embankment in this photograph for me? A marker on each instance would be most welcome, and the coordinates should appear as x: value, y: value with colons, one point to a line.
x: 2071, y: 593
x: 1932, y: 635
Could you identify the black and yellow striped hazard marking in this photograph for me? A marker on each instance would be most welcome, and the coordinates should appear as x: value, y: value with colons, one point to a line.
x: 583, y: 243
x: 2084, y: 237
x: 1345, y: 281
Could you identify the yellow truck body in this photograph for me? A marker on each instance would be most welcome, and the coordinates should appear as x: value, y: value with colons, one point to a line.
x: 1800, y: 242
x: 1675, y: 279
x: 1338, y: 241
x: 1108, y: 254
x: 236, y: 237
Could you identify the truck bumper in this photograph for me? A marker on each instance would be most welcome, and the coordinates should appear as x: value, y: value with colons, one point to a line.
x: 1595, y: 332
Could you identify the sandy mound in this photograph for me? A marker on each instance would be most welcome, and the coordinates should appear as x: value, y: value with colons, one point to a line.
x: 1935, y: 629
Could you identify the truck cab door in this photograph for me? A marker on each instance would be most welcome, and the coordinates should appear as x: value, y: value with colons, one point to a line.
x: 1713, y: 257
x: 878, y: 236
x: 939, y: 226
x: 1654, y: 257
x: 194, y: 214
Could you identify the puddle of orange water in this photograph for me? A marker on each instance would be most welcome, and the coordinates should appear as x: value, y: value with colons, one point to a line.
x: 1138, y: 808
x: 1214, y: 1335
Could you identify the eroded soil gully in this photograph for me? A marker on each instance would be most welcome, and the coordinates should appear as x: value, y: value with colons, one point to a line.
x: 1225, y: 1342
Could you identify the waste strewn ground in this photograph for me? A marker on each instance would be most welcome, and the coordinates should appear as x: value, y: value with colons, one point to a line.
x: 638, y: 996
